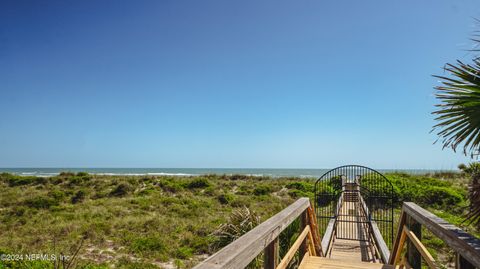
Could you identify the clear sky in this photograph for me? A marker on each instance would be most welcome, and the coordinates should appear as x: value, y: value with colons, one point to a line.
x: 272, y: 84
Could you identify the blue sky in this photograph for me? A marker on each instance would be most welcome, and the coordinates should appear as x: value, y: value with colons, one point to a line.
x: 273, y: 84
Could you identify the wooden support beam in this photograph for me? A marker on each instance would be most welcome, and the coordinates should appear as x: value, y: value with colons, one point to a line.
x: 311, y: 244
x: 462, y: 263
x: 271, y: 255
x: 413, y: 255
x: 291, y: 252
x: 398, y: 244
x: 398, y: 251
x: 427, y: 257
x: 303, y: 225
x: 314, y: 227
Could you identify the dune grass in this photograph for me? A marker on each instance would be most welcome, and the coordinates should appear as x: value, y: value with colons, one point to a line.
x: 161, y: 221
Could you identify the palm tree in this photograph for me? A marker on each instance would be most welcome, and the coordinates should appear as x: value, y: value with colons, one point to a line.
x: 458, y: 117
x: 473, y: 170
x: 458, y: 114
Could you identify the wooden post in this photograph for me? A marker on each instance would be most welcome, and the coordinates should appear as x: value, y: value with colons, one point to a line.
x: 414, y: 257
x: 271, y: 255
x: 303, y: 224
x: 312, y: 220
x: 462, y: 263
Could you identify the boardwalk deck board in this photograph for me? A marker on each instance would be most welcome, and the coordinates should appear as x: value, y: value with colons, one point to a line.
x: 310, y: 262
x: 350, y: 221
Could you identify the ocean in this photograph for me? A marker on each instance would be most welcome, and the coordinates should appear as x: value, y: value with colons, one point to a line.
x: 306, y: 173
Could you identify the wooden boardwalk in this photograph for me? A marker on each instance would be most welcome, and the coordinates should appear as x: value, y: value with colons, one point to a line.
x: 312, y: 262
x: 340, y: 253
x: 351, y: 224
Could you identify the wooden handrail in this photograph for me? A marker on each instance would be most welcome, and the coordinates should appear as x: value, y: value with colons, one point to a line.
x: 245, y: 249
x: 330, y: 230
x: 328, y: 236
x: 464, y: 244
x: 377, y: 235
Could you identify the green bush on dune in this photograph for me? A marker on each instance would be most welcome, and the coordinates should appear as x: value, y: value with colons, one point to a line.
x: 15, y: 180
x: 426, y: 191
x: 122, y: 189
x: 262, y: 190
x: 198, y: 183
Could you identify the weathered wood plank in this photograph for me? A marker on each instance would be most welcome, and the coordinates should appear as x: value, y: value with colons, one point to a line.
x: 242, y: 251
x: 328, y: 236
x: 314, y: 227
x: 421, y: 248
x: 311, y: 244
x: 398, y: 251
x: 413, y: 254
x: 380, y: 242
x: 461, y: 263
x: 397, y: 243
x: 377, y: 235
x: 303, y: 225
x: 457, y: 239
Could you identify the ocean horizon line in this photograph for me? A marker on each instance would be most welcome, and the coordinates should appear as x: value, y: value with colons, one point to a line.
x: 268, y: 172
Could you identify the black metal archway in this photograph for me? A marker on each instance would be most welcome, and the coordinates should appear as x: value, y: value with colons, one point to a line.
x: 355, y: 196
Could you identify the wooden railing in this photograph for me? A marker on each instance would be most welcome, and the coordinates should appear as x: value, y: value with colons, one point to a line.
x: 329, y: 233
x: 466, y: 246
x: 376, y: 236
x: 264, y: 238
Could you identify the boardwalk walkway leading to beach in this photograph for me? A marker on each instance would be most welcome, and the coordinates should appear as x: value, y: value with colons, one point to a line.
x: 352, y: 220
x: 351, y: 237
x: 344, y: 253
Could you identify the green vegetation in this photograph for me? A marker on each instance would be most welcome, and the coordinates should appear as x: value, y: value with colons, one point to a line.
x: 162, y: 221
x: 128, y: 222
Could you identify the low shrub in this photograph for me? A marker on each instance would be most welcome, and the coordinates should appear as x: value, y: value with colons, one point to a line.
x: 298, y: 193
x: 301, y: 186
x: 144, y: 245
x: 121, y: 189
x: 184, y: 253
x: 210, y: 191
x: 82, y: 174
x: 57, y: 195
x: 66, y: 174
x: 41, y: 202
x: 16, y: 180
x: 425, y: 191
x: 78, y: 197
x: 262, y: 190
x: 170, y: 185
x: 441, y: 196
x: 198, y: 183
x: 226, y: 198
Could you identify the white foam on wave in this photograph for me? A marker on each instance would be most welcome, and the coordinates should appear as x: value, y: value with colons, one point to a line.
x: 144, y: 174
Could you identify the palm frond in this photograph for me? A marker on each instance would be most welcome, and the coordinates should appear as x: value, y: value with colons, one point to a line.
x: 458, y: 114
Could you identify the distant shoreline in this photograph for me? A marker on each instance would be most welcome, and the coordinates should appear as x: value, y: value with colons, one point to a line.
x: 303, y: 173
